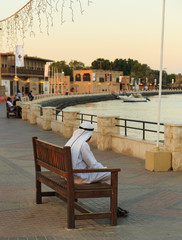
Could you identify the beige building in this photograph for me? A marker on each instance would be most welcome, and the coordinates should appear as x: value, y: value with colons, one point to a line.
x: 59, y: 83
x: 93, y: 80
x: 29, y: 77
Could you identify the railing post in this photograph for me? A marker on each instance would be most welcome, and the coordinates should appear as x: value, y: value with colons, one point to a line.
x: 25, y: 110
x: 48, y: 116
x: 34, y: 113
x: 125, y: 128
x: 143, y: 130
x: 70, y: 121
x: 173, y: 142
x: 106, y: 128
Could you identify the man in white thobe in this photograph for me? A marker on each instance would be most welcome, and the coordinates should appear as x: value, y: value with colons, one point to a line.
x: 83, y: 158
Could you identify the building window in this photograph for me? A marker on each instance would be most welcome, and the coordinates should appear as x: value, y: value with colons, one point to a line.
x: 86, y: 77
x: 110, y: 77
x: 117, y: 79
x: 78, y: 77
x: 101, y: 79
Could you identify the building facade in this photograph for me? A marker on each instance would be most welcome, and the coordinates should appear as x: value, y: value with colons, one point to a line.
x: 29, y: 77
x: 59, y: 83
x: 94, y: 80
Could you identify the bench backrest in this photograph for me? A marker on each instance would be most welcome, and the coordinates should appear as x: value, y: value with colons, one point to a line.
x: 54, y: 158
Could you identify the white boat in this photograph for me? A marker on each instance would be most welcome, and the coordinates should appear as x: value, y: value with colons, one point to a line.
x: 134, y: 97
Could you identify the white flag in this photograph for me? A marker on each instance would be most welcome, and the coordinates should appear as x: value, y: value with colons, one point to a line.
x: 19, y: 56
x: 46, y: 70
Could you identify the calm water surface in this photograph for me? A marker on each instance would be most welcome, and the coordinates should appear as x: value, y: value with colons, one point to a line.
x: 171, y: 111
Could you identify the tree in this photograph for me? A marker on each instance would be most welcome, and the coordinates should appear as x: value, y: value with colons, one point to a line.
x: 76, y: 65
x: 101, y: 63
x: 170, y: 77
x: 120, y: 65
x: 61, y: 66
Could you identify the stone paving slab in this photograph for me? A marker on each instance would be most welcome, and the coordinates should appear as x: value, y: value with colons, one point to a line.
x: 153, y: 199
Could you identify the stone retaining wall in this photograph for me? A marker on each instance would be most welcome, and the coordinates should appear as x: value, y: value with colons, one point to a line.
x: 107, y: 135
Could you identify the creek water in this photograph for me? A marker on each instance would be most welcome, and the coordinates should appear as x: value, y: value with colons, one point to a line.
x: 171, y: 112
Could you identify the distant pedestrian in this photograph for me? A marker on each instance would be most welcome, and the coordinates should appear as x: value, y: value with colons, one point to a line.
x: 17, y: 98
x: 20, y: 95
x: 67, y: 92
x: 31, y: 97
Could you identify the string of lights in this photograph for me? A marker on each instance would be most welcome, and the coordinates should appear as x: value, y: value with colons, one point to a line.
x: 24, y: 22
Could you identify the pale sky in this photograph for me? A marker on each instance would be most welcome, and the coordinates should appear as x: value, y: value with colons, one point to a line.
x: 110, y: 29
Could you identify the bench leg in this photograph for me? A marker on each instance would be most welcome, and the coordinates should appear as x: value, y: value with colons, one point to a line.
x: 114, y: 199
x: 70, y: 213
x: 38, y: 193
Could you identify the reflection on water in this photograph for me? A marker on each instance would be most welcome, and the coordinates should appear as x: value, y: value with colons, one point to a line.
x: 171, y: 112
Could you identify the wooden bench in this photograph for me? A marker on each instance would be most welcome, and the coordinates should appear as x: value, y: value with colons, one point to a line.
x: 10, y: 113
x: 60, y: 178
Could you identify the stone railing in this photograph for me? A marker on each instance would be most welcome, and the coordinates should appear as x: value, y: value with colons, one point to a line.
x: 107, y: 136
x: 44, y: 97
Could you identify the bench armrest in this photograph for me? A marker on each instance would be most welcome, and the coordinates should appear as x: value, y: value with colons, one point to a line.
x: 96, y: 170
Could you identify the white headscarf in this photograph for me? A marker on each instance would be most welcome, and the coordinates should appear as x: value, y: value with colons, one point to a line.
x: 80, y: 136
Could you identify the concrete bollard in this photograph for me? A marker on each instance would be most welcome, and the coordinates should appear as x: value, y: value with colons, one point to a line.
x: 25, y: 110
x: 173, y: 142
x: 70, y: 121
x: 49, y: 114
x: 105, y: 129
x: 34, y: 113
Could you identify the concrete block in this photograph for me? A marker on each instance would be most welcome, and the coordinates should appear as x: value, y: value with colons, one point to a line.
x: 177, y: 161
x: 158, y: 161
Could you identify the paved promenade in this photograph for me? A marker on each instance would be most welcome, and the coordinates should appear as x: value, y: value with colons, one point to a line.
x: 153, y: 199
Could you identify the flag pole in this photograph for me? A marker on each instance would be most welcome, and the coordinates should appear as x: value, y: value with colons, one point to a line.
x: 160, y: 75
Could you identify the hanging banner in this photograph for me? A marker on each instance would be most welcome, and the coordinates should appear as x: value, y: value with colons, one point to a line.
x: 93, y: 77
x: 19, y: 56
x: 46, y: 87
x: 46, y: 70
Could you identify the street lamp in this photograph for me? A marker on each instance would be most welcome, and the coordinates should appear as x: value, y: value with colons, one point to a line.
x: 160, y: 75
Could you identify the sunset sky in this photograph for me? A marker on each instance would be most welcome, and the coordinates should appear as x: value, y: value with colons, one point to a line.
x: 109, y: 29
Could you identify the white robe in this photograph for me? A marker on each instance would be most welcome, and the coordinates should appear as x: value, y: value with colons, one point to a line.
x: 83, y: 158
x: 10, y: 105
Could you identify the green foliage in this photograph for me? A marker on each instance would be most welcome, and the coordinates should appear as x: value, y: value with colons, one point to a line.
x: 76, y: 65
x: 132, y: 68
x: 170, y: 77
x: 129, y: 67
x: 101, y: 63
x: 61, y: 66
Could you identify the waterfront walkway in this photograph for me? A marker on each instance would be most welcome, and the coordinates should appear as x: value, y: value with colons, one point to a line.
x: 153, y: 199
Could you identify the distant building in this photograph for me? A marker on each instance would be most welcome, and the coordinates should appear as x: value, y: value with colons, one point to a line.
x: 179, y: 78
x: 95, y: 80
x: 58, y: 83
x: 30, y: 77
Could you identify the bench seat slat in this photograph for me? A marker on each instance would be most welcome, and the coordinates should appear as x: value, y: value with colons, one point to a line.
x: 91, y: 170
x: 78, y: 187
x: 55, y: 182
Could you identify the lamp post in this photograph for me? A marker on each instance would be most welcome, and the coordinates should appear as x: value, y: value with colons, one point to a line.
x: 16, y: 80
x: 62, y: 76
x: 160, y: 75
